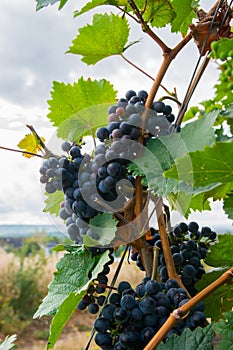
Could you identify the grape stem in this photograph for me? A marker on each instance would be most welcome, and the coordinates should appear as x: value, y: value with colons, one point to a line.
x: 155, y: 263
x: 40, y: 141
x: 181, y: 312
x: 146, y: 28
x: 138, y: 68
x: 104, y: 286
x: 166, y: 247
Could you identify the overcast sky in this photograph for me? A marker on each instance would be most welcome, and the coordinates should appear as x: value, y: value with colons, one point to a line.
x: 33, y: 46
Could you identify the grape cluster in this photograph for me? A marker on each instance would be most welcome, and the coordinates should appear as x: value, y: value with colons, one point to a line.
x: 132, y: 316
x: 93, y: 184
x: 128, y: 111
x: 189, y: 247
x: 94, y: 297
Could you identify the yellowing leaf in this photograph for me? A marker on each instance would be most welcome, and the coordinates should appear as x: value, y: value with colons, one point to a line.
x: 30, y: 144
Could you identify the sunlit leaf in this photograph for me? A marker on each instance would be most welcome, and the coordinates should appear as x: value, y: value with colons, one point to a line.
x: 67, y: 99
x: 30, y: 144
x: 158, y: 12
x: 92, y: 4
x: 53, y: 202
x: 212, y: 165
x: 184, y: 15
x: 43, y: 3
x: 104, y: 226
x: 228, y: 206
x: 106, y: 36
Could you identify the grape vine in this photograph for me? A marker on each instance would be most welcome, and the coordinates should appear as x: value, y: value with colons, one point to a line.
x: 149, y: 158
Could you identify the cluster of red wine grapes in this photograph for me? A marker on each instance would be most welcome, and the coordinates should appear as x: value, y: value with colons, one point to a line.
x: 92, y: 185
x: 131, y: 317
x: 94, y: 297
x: 189, y: 246
x: 62, y: 174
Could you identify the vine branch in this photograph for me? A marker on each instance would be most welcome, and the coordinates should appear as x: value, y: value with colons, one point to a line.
x: 19, y: 151
x: 166, y: 247
x: 177, y: 314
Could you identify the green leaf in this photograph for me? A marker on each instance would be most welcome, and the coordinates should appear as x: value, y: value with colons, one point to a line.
x: 221, y: 253
x: 69, y: 99
x: 72, y: 275
x: 62, y: 316
x: 192, y: 112
x: 194, y: 136
x: 228, y: 206
x: 83, y: 123
x: 224, y: 332
x: 53, y: 202
x: 106, y: 36
x: 8, y: 342
x: 199, y: 339
x: 70, y: 303
x: 92, y: 4
x: 160, y: 153
x: 184, y: 15
x: 212, y: 165
x: 104, y: 226
x: 219, y: 301
x: 43, y: 3
x: 158, y: 12
x: 62, y: 4
x: 71, y: 248
x: 222, y: 48
x: 186, y: 203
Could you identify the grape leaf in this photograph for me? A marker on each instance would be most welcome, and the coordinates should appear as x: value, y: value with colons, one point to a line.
x: 62, y: 316
x: 69, y: 304
x: 71, y: 275
x: 30, y: 144
x: 160, y: 153
x: 83, y: 123
x: 193, y: 136
x: 228, y: 205
x: 53, y: 202
x: 199, y: 339
x: 103, y: 225
x: 70, y: 99
x: 219, y: 192
x: 43, y: 3
x: 8, y: 342
x: 191, y: 113
x: 222, y: 47
x: 68, y: 247
x: 106, y: 36
x: 224, y: 332
x: 158, y: 12
x: 221, y: 253
x: 184, y: 15
x: 212, y: 165
x: 221, y: 298
x: 94, y: 3
x: 184, y: 202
